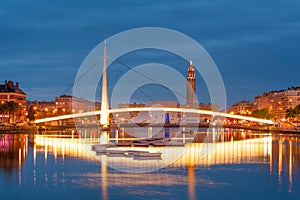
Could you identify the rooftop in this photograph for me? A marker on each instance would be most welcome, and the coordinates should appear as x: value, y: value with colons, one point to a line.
x: 10, y: 87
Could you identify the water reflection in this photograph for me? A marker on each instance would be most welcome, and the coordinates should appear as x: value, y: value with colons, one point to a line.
x: 52, y: 151
x: 12, y: 151
x: 225, y: 147
x: 191, y: 182
x: 285, y: 159
x: 104, y: 182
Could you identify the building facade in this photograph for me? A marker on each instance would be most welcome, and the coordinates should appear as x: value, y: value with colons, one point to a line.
x: 209, y: 106
x: 47, y: 106
x: 263, y: 101
x: 70, y: 104
x: 128, y: 116
x: 283, y: 100
x: 241, y: 108
x: 10, y: 92
x: 277, y: 102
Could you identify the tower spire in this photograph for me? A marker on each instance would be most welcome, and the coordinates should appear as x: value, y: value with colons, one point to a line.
x: 104, y: 120
x: 191, y: 85
x: 191, y: 68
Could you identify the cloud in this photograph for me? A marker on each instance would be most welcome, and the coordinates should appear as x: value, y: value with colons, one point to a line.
x: 41, y: 38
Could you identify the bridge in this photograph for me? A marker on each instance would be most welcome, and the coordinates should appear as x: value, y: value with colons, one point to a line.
x: 105, y: 111
x: 156, y: 109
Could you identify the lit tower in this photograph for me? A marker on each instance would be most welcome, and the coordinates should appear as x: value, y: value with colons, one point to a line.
x: 191, y: 85
x: 104, y: 120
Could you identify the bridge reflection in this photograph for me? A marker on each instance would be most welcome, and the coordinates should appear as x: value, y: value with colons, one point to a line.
x: 280, y: 153
x: 230, y: 148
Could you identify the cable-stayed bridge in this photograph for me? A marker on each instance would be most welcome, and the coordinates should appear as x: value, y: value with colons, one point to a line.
x: 105, y: 110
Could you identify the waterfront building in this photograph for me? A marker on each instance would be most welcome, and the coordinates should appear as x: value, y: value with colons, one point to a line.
x: 70, y: 104
x: 277, y: 102
x: 128, y: 116
x: 40, y: 109
x: 209, y: 106
x: 191, y: 85
x: 154, y: 117
x: 191, y: 118
x: 242, y: 108
x: 263, y: 101
x: 64, y: 104
x: 163, y: 117
x: 283, y: 100
x: 47, y: 106
x: 10, y: 92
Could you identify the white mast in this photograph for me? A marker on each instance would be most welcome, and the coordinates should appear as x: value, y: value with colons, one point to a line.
x: 104, y: 118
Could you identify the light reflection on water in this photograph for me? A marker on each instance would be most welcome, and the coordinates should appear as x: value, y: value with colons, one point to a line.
x: 242, y: 165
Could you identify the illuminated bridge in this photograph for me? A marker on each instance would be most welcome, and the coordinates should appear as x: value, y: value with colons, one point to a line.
x: 156, y: 109
x: 105, y: 111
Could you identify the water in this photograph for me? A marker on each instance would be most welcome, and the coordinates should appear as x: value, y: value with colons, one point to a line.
x: 242, y: 165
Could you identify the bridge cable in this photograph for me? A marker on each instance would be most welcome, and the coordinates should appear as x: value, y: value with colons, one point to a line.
x: 149, y: 78
x: 133, y: 83
x: 80, y: 77
x: 128, y: 67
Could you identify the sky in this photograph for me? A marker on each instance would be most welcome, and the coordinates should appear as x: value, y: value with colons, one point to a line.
x: 255, y: 44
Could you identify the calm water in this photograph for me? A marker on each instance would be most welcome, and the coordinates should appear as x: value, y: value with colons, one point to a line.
x: 242, y: 165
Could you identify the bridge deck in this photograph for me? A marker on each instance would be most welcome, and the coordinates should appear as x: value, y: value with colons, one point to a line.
x: 156, y: 109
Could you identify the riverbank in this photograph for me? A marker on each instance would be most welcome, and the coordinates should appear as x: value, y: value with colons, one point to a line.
x: 31, y: 129
x: 17, y: 129
x: 36, y: 129
x: 271, y: 129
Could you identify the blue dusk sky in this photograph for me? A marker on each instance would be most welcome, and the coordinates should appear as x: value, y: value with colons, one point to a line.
x: 255, y: 44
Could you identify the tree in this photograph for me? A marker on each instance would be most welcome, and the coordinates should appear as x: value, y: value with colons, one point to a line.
x: 31, y: 113
x: 262, y: 113
x: 2, y: 109
x: 293, y: 113
x: 11, y: 108
x: 290, y: 113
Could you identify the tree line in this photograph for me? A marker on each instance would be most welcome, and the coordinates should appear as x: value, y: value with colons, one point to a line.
x: 262, y: 113
x: 291, y: 113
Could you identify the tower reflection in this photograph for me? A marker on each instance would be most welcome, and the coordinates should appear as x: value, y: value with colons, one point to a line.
x: 191, y: 182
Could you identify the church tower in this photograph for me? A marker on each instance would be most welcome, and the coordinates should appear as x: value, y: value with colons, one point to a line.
x: 191, y: 85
